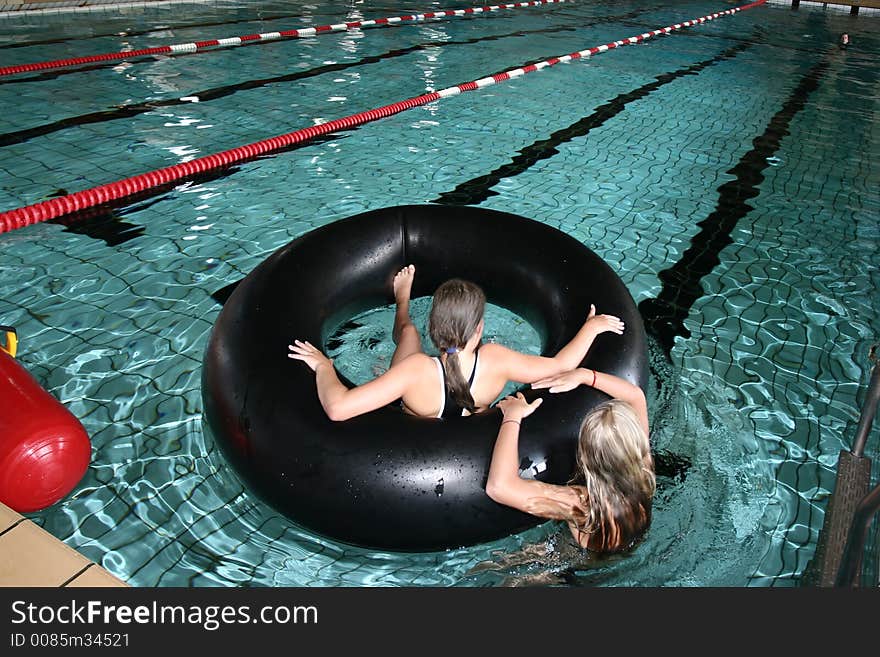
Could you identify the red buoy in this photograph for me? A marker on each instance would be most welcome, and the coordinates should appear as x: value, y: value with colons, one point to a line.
x: 44, y: 450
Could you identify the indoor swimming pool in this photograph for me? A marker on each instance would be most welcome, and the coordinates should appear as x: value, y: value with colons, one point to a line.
x: 729, y: 173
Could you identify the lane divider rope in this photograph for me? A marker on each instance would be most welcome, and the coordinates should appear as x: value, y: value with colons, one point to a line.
x: 298, y: 33
x: 57, y: 207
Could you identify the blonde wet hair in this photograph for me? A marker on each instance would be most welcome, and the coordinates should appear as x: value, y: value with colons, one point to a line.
x: 615, y: 480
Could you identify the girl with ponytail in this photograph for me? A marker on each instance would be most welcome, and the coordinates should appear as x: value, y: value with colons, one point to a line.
x: 436, y: 386
x: 455, y: 326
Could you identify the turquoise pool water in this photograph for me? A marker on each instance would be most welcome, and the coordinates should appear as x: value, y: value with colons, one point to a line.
x: 729, y: 173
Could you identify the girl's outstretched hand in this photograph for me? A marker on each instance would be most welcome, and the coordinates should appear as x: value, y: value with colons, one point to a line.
x: 516, y: 408
x: 562, y: 382
x: 604, y: 323
x: 310, y: 355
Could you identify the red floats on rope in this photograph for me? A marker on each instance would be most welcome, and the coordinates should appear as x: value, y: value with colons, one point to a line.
x: 44, y: 450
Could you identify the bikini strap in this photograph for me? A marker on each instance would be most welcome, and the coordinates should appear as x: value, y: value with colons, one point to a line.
x: 443, y: 391
x: 474, y: 371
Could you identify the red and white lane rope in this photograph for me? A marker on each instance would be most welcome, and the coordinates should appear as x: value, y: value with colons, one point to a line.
x: 197, y: 46
x: 57, y: 207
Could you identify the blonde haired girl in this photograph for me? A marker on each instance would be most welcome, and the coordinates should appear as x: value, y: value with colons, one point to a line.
x: 609, y: 508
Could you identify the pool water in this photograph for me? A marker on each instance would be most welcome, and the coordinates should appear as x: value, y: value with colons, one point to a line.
x: 727, y: 172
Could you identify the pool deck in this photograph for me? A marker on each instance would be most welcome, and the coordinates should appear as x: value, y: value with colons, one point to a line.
x: 869, y: 4
x: 59, y: 6
x: 31, y: 557
x: 853, y: 7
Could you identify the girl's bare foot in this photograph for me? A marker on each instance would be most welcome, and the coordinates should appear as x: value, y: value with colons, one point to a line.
x: 402, y: 286
x: 403, y: 281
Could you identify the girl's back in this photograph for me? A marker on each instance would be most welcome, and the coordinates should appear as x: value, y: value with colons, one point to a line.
x: 466, y: 377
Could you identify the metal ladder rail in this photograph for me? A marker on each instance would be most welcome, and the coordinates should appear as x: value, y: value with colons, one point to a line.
x: 851, y: 563
x: 852, y: 484
x: 869, y: 505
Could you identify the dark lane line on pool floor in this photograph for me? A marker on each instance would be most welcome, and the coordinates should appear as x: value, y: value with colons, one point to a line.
x: 664, y: 315
x: 207, y: 95
x: 476, y: 190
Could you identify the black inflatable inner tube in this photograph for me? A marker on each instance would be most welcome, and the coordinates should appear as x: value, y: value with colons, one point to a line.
x: 388, y: 480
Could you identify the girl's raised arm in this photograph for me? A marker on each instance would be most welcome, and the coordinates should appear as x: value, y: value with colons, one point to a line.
x: 526, y: 368
x: 504, y: 484
x: 611, y: 385
x: 342, y: 403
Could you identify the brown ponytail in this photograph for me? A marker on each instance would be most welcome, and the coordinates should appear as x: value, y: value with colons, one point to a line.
x: 455, y: 315
x: 457, y: 384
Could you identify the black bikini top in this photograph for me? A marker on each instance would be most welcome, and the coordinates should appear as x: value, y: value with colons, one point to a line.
x: 450, y: 406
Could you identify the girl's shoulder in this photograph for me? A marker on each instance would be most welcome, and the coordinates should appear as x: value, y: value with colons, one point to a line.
x: 417, y: 365
x: 418, y: 360
x: 494, y: 362
x: 492, y: 351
